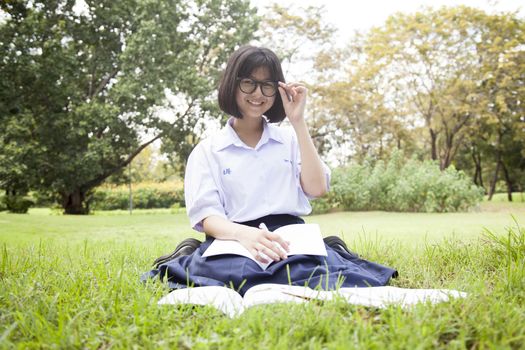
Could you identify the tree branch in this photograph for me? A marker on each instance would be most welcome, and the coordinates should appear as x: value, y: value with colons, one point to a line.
x: 103, y: 83
x: 99, y: 179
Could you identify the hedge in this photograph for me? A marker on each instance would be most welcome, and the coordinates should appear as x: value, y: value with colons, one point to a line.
x: 145, y: 196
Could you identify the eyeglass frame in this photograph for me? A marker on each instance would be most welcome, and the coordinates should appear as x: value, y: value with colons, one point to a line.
x: 259, y: 84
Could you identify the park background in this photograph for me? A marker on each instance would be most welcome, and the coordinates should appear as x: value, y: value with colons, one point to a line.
x: 420, y: 118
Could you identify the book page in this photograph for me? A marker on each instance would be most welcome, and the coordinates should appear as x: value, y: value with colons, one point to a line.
x: 224, y: 299
x: 277, y: 293
x: 366, y: 296
x: 404, y: 297
x: 303, y: 238
x: 232, y: 304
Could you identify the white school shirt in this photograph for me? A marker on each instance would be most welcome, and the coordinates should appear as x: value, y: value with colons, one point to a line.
x: 227, y: 178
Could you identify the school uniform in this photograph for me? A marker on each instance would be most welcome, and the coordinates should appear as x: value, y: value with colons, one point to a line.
x: 227, y: 178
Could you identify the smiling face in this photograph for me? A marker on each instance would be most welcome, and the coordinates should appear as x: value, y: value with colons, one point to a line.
x: 254, y: 105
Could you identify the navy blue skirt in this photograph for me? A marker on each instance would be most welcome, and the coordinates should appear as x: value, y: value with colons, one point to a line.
x: 338, y: 269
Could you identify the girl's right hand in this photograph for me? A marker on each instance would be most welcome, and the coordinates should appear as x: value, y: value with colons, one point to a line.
x: 259, y: 241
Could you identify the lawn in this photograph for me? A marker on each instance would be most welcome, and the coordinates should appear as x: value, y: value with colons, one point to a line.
x: 72, y: 282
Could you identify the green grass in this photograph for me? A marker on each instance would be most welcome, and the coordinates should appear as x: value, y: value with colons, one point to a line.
x: 72, y: 282
x: 518, y: 197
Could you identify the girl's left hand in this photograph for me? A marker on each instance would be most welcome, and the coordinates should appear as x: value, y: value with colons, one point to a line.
x: 293, y: 96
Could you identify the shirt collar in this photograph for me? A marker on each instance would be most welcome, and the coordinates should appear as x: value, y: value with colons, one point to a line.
x: 228, y: 136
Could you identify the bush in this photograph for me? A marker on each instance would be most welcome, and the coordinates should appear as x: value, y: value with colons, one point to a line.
x: 16, y: 204
x: 398, y: 185
x: 321, y: 205
x: 2, y: 203
x: 146, y: 195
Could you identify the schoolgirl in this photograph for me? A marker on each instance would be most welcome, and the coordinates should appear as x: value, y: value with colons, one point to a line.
x: 255, y: 172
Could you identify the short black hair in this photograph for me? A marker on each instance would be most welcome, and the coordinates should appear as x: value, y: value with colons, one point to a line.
x: 240, y: 65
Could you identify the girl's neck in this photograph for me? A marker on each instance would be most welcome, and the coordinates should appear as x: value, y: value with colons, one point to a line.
x: 249, y: 130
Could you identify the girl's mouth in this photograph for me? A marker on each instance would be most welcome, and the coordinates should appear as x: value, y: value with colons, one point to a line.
x: 255, y: 103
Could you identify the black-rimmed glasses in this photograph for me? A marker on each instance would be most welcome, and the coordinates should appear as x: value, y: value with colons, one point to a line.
x: 248, y: 86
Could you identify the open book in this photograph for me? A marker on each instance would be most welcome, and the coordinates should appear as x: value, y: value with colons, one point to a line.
x: 303, y: 238
x: 232, y: 304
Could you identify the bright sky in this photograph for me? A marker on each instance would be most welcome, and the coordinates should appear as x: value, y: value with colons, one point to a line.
x: 350, y: 15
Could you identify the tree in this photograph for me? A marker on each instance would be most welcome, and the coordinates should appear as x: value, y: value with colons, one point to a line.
x: 358, y: 114
x: 455, y: 72
x: 297, y: 36
x: 495, y: 142
x: 502, y: 68
x: 83, y: 84
x: 431, y: 56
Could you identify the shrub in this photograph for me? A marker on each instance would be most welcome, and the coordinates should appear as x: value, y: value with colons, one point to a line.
x: 146, y: 195
x: 17, y: 204
x: 2, y: 203
x: 322, y: 205
x: 398, y: 185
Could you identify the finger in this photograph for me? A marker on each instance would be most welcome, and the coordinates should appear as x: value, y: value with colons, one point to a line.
x: 282, y: 251
x: 285, y: 97
x: 301, y: 89
x: 258, y: 256
x: 267, y: 252
x: 289, y: 89
x: 298, y: 87
x: 279, y: 250
x: 274, y: 242
x: 278, y: 239
x: 299, y: 92
x: 294, y: 88
x: 293, y: 84
x: 270, y: 250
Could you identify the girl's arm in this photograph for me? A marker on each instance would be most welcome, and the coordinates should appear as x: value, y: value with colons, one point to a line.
x: 313, y: 177
x: 254, y: 239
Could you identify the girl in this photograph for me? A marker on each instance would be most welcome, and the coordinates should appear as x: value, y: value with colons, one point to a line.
x: 254, y: 172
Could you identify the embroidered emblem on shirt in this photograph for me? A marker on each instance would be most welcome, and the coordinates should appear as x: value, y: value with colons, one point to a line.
x: 226, y: 171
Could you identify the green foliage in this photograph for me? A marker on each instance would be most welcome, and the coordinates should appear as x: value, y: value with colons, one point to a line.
x: 145, y: 196
x: 411, y: 186
x: 421, y: 186
x: 16, y: 203
x: 82, y: 86
x: 2, y: 202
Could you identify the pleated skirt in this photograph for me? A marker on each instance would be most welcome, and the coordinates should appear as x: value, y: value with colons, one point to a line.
x: 337, y: 269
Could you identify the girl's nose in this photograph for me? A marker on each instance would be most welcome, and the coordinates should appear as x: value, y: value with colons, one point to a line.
x: 258, y: 90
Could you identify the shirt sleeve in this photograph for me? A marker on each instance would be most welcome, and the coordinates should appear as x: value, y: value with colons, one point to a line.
x: 200, y: 189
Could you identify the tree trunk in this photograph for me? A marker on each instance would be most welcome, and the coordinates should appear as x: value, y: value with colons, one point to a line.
x: 445, y: 158
x: 478, y: 175
x: 507, y: 181
x: 433, y: 144
x: 495, y: 178
x: 74, y: 203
